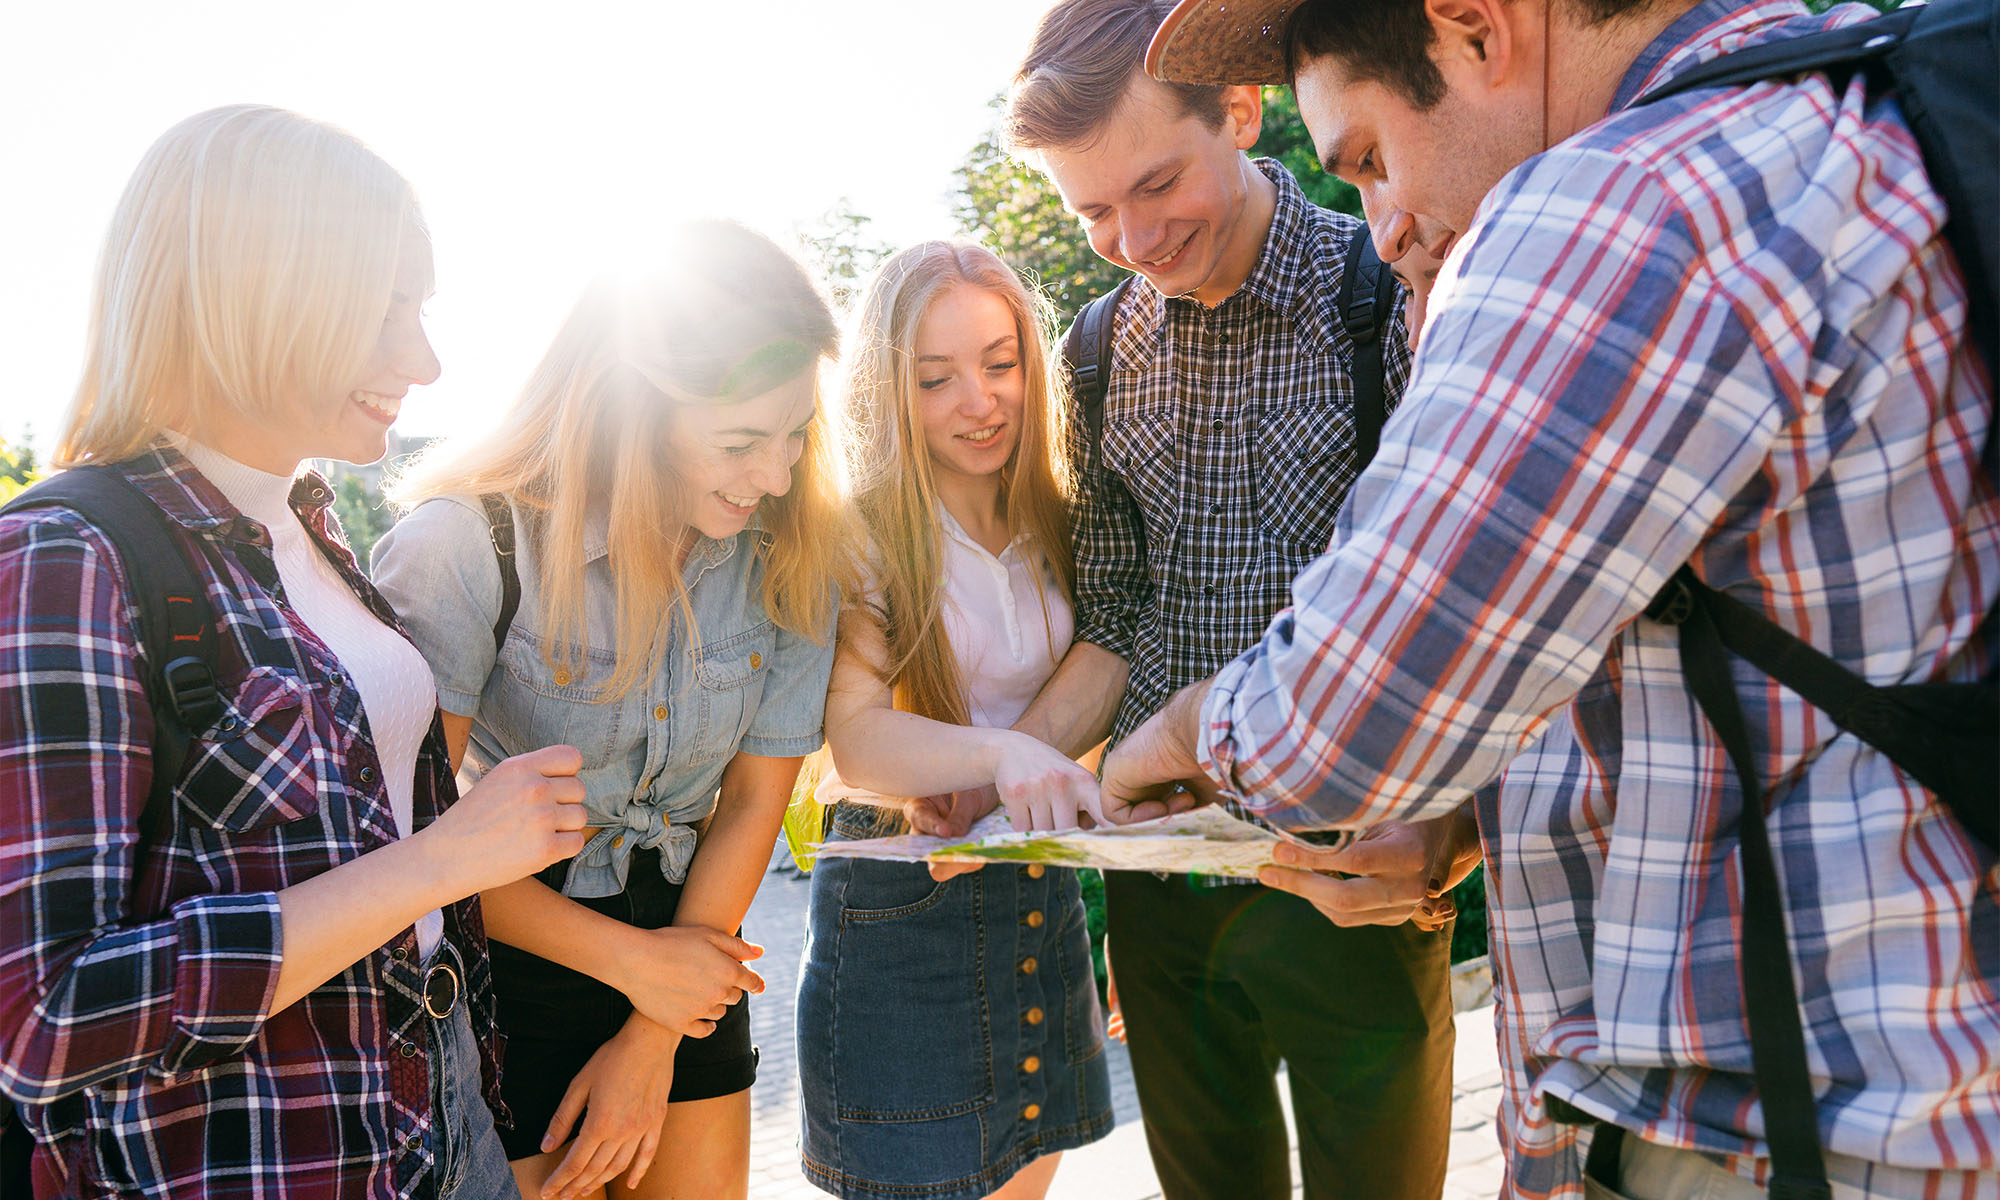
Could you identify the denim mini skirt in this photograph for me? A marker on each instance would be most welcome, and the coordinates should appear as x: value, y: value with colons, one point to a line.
x: 948, y: 1033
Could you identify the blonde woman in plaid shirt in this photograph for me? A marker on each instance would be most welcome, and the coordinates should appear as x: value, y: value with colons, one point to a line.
x: 246, y: 1000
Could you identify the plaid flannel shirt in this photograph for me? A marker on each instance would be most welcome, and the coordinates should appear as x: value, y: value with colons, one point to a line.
x: 1722, y: 328
x: 1228, y: 446
x: 138, y: 972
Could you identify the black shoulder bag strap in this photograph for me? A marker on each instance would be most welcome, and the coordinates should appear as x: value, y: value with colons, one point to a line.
x: 1087, y: 351
x: 500, y: 527
x: 176, y: 622
x: 1367, y: 296
x: 1770, y: 1000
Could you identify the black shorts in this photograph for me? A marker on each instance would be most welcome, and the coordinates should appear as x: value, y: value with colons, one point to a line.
x: 555, y: 1018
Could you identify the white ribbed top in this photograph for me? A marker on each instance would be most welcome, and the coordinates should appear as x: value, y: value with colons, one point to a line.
x: 397, y: 691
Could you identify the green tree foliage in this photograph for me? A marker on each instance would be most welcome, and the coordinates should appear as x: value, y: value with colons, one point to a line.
x: 18, y: 469
x: 846, y: 253
x: 363, y: 515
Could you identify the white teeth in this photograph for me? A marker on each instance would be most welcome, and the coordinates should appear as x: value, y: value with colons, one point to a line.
x: 380, y: 404
x: 739, y: 501
x: 982, y: 435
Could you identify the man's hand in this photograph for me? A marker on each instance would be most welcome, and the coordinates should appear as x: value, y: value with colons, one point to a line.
x: 1143, y: 776
x: 1401, y: 872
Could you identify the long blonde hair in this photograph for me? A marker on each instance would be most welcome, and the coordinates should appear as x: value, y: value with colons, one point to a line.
x: 728, y: 318
x: 249, y: 263
x: 895, y: 492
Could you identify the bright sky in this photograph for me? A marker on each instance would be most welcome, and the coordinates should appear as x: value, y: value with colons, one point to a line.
x: 545, y: 140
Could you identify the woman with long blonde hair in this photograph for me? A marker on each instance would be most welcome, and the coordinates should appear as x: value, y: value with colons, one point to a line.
x: 950, y: 1042
x: 260, y: 972
x: 662, y: 495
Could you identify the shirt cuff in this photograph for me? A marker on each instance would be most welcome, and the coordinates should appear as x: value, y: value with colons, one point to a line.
x: 225, y: 976
x: 783, y: 747
x: 1115, y: 636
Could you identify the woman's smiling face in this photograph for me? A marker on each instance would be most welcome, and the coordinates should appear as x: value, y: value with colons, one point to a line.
x: 970, y: 382
x: 733, y: 455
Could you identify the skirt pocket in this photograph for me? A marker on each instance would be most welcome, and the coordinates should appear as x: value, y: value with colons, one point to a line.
x: 910, y: 1023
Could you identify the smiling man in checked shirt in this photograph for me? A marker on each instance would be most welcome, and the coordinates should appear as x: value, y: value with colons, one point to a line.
x: 1720, y: 329
x: 1228, y: 441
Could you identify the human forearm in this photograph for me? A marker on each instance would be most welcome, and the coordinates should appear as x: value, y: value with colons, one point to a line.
x: 529, y: 915
x: 1075, y: 708
x: 339, y: 917
x: 734, y: 851
x: 901, y: 754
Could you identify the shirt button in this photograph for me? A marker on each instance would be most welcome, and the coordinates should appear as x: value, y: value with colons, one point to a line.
x: 409, y: 1050
x: 1214, y: 507
x: 399, y: 954
x: 1035, y: 919
x: 1036, y: 870
x: 1034, y: 1016
x: 756, y: 660
x: 618, y: 843
x: 562, y: 677
x: 367, y: 776
x: 1208, y: 589
x: 1031, y: 1064
x: 659, y: 712
x: 1028, y: 965
x: 1031, y: 1112
x: 1216, y: 425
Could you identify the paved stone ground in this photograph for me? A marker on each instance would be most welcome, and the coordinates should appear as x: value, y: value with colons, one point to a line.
x: 1116, y: 1168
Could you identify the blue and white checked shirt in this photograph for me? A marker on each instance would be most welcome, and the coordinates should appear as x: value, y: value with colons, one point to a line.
x: 1724, y: 329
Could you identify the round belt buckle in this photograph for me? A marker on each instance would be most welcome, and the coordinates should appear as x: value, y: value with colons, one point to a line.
x: 441, y: 988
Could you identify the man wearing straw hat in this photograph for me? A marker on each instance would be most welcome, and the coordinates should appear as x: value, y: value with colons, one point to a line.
x: 1720, y: 329
x: 1227, y: 439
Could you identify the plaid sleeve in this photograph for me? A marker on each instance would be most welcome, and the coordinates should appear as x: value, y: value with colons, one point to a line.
x: 89, y: 990
x: 1572, y: 434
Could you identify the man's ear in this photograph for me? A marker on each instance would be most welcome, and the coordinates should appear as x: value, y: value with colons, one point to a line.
x: 1243, y: 111
x: 1477, y: 34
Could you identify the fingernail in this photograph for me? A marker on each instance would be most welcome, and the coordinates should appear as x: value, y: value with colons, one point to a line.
x: 1434, y: 885
x: 1286, y: 854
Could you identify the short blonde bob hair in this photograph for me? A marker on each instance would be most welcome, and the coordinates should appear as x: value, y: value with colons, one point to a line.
x: 729, y: 316
x: 249, y: 264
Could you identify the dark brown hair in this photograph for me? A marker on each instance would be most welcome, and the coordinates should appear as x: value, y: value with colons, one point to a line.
x: 1085, y: 55
x: 1389, y: 41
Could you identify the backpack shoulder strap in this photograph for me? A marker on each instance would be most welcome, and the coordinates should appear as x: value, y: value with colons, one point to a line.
x: 1366, y: 298
x: 1087, y: 351
x: 1838, y: 51
x: 176, y: 622
x: 500, y: 528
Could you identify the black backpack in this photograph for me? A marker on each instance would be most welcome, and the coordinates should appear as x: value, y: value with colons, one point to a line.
x: 178, y: 632
x: 1940, y: 61
x: 1366, y: 298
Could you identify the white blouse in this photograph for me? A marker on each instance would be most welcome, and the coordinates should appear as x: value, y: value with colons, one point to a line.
x: 1008, y: 624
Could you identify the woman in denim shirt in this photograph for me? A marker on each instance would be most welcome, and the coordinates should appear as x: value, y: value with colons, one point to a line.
x: 950, y: 1042
x: 676, y: 537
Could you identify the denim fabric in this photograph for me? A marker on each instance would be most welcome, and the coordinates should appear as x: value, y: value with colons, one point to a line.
x: 472, y: 1166
x: 949, y: 1033
x: 652, y: 760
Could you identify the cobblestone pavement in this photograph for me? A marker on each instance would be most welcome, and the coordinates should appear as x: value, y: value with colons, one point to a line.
x: 1116, y: 1168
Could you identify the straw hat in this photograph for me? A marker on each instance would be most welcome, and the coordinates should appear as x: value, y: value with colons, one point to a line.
x: 1221, y: 41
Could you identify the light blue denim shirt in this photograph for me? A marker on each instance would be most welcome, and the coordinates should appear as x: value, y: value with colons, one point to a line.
x: 653, y: 760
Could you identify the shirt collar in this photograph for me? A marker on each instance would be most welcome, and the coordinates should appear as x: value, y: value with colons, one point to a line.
x: 167, y: 478
x: 1709, y: 29
x: 1275, y: 280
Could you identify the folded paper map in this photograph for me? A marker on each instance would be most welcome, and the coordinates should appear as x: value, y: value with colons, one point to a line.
x: 1205, y: 841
